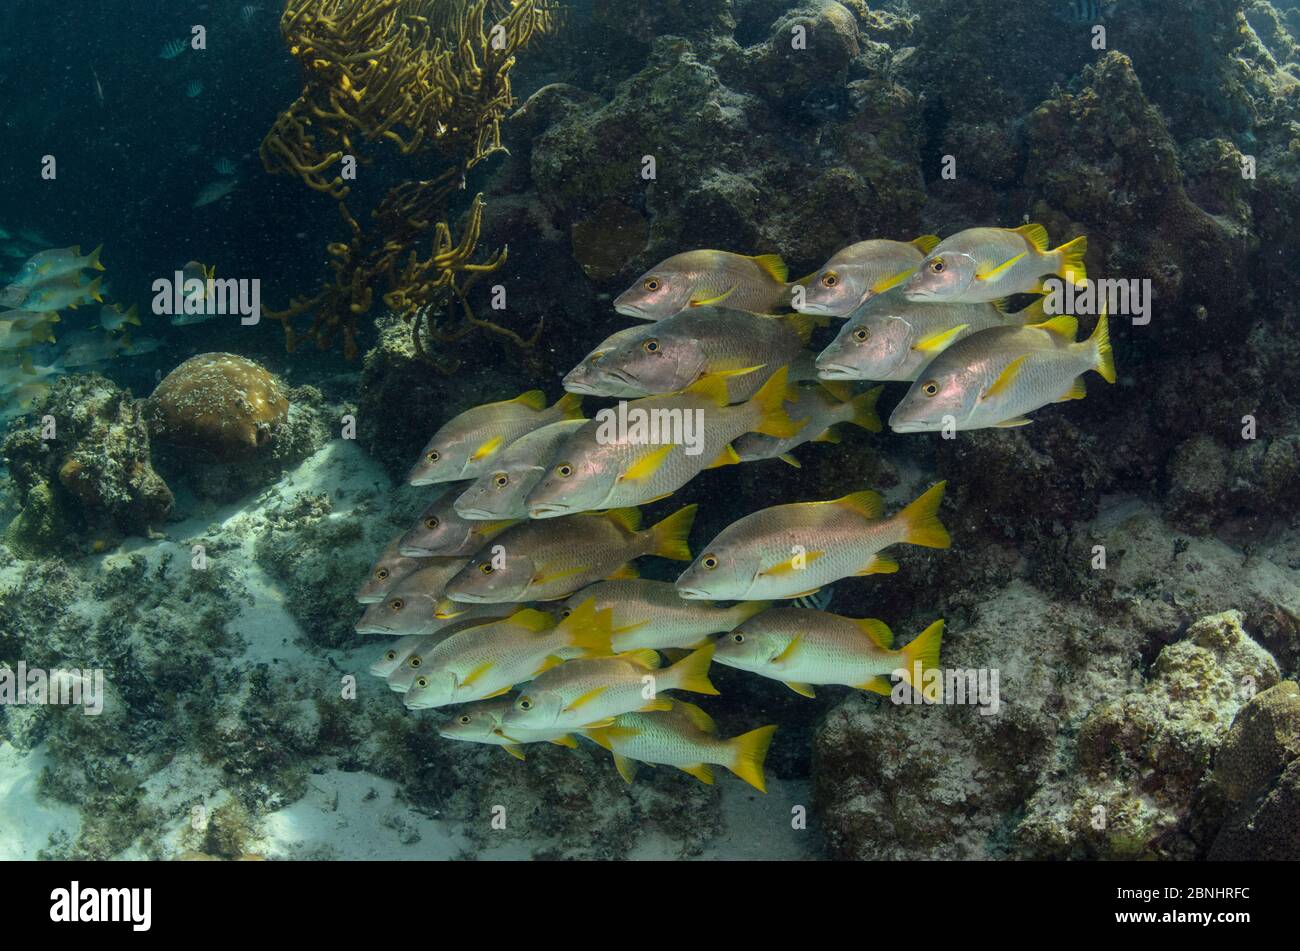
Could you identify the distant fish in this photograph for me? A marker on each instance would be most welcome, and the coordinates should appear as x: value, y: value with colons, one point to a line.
x: 61, y: 294
x: 193, y: 88
x: 195, y: 288
x: 112, y: 317
x: 48, y: 266
x: 224, y: 166
x: 248, y: 12
x: 215, y: 191
x: 85, y: 349
x: 99, y: 87
x: 141, y: 346
x: 172, y: 48
x: 13, y: 296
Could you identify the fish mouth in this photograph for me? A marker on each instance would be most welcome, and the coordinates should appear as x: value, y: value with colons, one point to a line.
x: 576, y: 386
x: 467, y: 597
x: 373, y: 629
x: 836, y: 371
x: 474, y: 515
x: 629, y: 310
x: 410, y: 551
x: 693, y: 594
x: 547, y: 510
x: 369, y: 598
x: 911, y: 426
x: 820, y: 310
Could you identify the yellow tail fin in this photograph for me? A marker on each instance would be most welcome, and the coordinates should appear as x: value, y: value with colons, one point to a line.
x: 864, y: 410
x: 1071, y: 267
x: 691, y: 673
x: 1104, y: 359
x: 770, y: 401
x: 920, y: 520
x: 923, y: 650
x: 671, y: 537
x: 751, y: 751
x: 93, y: 260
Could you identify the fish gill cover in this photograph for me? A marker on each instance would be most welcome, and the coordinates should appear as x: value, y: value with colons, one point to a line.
x: 884, y: 423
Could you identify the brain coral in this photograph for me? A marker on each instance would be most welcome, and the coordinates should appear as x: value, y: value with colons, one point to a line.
x: 220, y: 404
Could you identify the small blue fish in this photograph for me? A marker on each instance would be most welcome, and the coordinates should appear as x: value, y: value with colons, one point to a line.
x: 224, y: 166
x: 172, y: 48
x: 193, y: 87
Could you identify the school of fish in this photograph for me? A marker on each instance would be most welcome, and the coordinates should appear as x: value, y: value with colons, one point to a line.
x: 516, y: 597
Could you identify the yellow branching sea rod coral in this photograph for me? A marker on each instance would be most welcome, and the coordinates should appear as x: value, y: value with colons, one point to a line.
x: 431, y: 79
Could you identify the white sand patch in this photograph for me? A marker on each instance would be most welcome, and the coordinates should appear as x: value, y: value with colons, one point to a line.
x: 27, y: 820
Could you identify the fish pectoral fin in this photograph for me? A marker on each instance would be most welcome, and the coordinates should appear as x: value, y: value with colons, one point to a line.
x: 626, y: 768
x: 514, y: 750
x: 1000, y: 269
x: 712, y: 301
x: 701, y: 771
x: 487, y: 448
x: 878, y: 565
x: 783, y: 658
x: 728, y: 457
x: 647, y: 465
x: 938, y: 341
x: 804, y: 690
x: 881, y: 685
x: 476, y: 673
x: 893, y: 280
x: 1014, y: 421
x: 787, y: 566
x: 1006, y: 378
x: 496, y: 693
x: 546, y: 577
x: 598, y: 724
x: 585, y: 699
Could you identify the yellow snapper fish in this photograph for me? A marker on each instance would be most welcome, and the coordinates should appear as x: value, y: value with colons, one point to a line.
x: 484, y: 722
x: 502, y: 492
x: 607, y: 464
x: 403, y: 677
x: 685, y: 737
x: 64, y: 293
x: 46, y: 266
x: 408, y: 607
x: 988, y: 264
x: 389, y: 568
x: 825, y: 407
x: 680, y: 350
x: 651, y: 614
x: 802, y: 648
x: 860, y: 272
x: 997, y: 376
x: 788, y: 551
x: 587, y: 377
x: 441, y: 531
x: 485, y: 662
x: 703, y: 277
x: 112, y: 317
x: 536, y: 561
x: 463, y: 447
x: 21, y: 336
x: 401, y: 649
x: 591, y: 692
x: 890, y: 338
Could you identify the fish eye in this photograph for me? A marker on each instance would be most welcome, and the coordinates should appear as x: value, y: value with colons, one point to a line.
x: 738, y: 637
x: 525, y: 703
x: 565, y: 613
x: 651, y: 284
x: 710, y: 562
x: 431, y: 522
x: 422, y: 682
x: 463, y: 719
x: 651, y: 345
x: 501, y: 481
x: 486, y: 567
x: 396, y: 604
x: 937, y: 266
x: 433, y: 455
x: 381, y: 574
x: 564, y: 470
x: 830, y: 279
x: 415, y: 661
x: 930, y: 387
x: 390, y: 655
x: 861, y: 335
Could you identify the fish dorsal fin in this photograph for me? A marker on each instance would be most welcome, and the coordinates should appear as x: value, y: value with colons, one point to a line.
x: 1063, y: 326
x: 712, y: 301
x: 1005, y: 265
x: 533, y: 620
x: 877, y: 631
x: 801, y: 324
x: 866, y: 503
x: 645, y: 657
x: 711, y: 387
x: 1034, y: 234
x: 699, y: 719
x: 533, y: 399
x: 628, y: 519
x: 1006, y: 378
x: 893, y: 280
x: 487, y: 448
x: 773, y: 266
x: 647, y: 465
x: 938, y: 341
x: 925, y: 243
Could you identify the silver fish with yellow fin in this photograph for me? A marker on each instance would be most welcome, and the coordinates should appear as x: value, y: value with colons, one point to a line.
x: 401, y: 649
x: 825, y: 407
x: 389, y: 568
x: 442, y: 531
x: 484, y: 722
x: 464, y: 446
x: 591, y: 692
x: 651, y: 614
x: 706, y: 277
x: 998, y: 376
x: 502, y: 492
x: 402, y: 677
x: 861, y: 271
x: 988, y: 264
x: 685, y: 737
x: 803, y: 648
x: 409, y: 607
x: 589, y: 376
x: 623, y: 457
x: 787, y: 551
x: 546, y: 561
